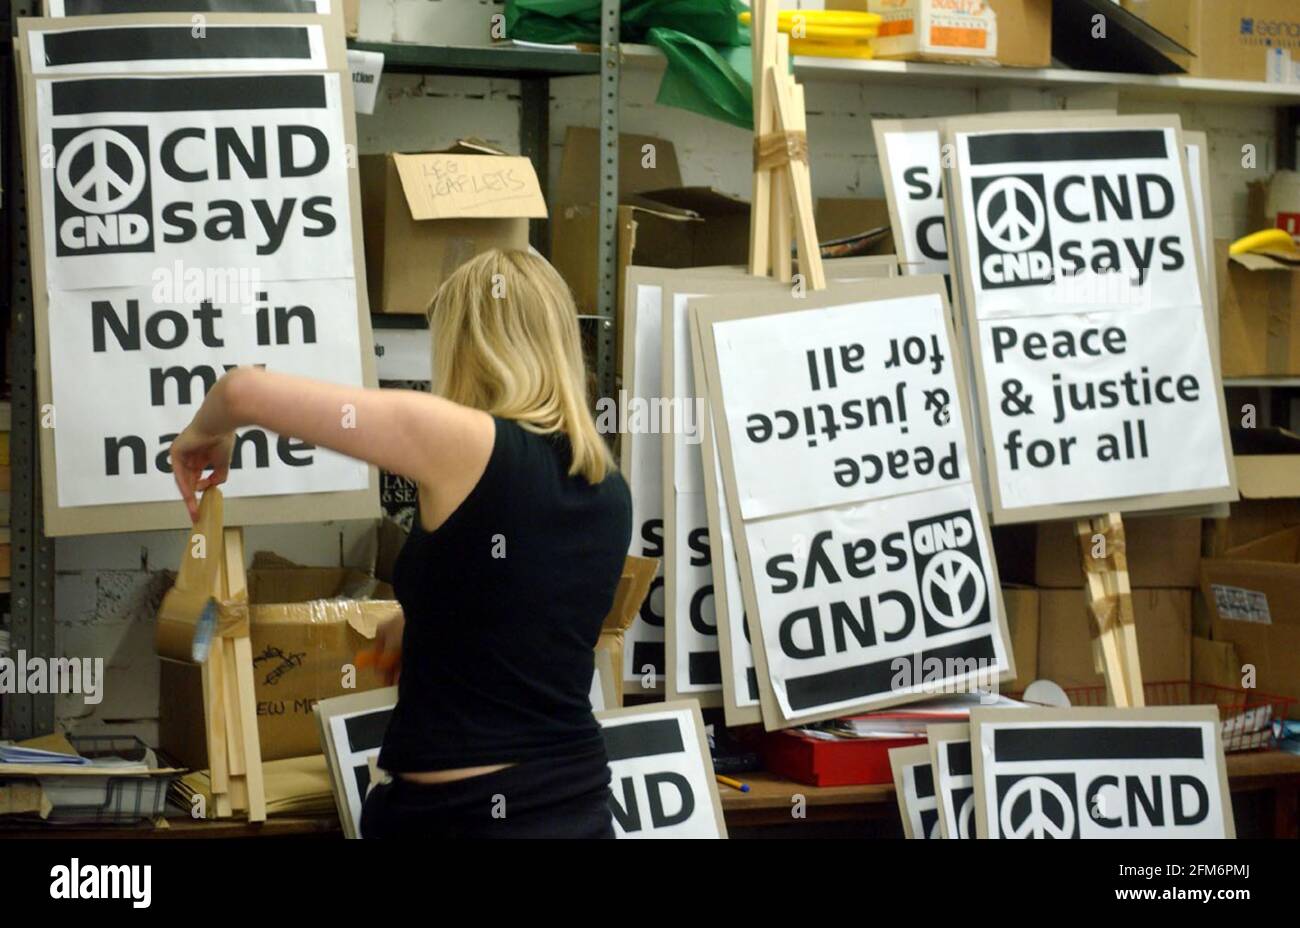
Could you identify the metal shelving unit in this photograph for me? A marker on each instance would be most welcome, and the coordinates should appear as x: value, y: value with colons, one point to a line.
x: 31, y: 600
x: 534, y: 68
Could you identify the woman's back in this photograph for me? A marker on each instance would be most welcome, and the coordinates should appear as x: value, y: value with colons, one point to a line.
x: 503, y: 605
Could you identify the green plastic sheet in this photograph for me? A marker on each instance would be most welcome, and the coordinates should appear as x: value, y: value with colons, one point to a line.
x: 704, y: 42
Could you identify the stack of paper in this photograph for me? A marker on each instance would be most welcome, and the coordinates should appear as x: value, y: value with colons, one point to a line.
x: 910, y: 721
x: 294, y: 786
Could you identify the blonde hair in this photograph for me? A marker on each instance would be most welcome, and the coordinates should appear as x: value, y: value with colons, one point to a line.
x: 505, y: 340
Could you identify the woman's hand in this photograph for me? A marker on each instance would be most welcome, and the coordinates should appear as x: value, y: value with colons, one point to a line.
x: 388, y: 649
x: 192, y: 453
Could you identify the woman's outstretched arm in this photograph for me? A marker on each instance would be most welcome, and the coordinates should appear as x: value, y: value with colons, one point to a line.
x: 439, y: 444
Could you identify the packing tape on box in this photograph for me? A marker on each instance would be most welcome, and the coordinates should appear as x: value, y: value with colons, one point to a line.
x: 777, y: 149
x: 1114, y: 545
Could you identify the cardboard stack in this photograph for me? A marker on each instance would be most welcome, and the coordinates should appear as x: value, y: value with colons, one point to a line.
x: 1011, y: 33
x: 1245, y: 40
x: 1252, y: 593
x: 660, y: 222
x: 306, y: 624
x: 1164, y: 555
x: 427, y: 213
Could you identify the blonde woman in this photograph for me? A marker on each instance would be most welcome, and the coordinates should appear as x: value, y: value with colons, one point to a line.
x: 510, y: 568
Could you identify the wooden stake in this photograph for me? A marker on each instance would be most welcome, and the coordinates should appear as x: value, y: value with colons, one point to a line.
x: 791, y: 118
x: 763, y: 39
x: 782, y: 229
x: 1110, y: 605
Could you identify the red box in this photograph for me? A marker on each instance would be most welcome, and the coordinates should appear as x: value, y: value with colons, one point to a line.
x: 843, y: 762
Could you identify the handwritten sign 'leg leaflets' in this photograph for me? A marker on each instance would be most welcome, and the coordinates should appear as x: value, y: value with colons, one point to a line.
x: 1082, y: 284
x: 661, y: 773
x: 918, y: 803
x: 1100, y: 773
x: 954, y: 783
x: 866, y: 564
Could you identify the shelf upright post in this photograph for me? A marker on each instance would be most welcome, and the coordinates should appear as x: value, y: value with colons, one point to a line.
x: 607, y: 247
x: 535, y: 145
x: 31, y: 609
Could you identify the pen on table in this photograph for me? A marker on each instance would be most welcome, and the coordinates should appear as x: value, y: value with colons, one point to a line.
x: 734, y: 784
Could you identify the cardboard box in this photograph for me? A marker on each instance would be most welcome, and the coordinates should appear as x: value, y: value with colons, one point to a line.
x: 351, y: 17
x: 1259, y: 315
x: 660, y: 222
x: 1253, y: 595
x: 1022, y: 622
x: 1164, y: 634
x: 1162, y: 552
x: 841, y: 217
x: 427, y: 213
x: 1012, y: 33
x: 633, y: 585
x: 1242, y: 40
x: 301, y: 636
x: 1250, y: 520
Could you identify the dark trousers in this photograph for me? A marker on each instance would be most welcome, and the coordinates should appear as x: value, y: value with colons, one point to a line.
x: 546, y: 798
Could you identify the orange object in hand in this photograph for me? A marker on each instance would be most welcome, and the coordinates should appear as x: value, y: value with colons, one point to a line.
x: 373, y: 657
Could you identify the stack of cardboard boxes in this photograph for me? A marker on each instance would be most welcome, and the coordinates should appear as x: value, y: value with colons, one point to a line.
x: 1042, y: 566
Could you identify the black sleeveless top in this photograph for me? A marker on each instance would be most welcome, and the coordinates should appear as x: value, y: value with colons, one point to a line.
x: 503, y: 605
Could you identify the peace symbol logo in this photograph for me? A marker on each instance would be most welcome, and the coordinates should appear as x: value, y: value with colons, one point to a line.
x: 1011, y: 215
x: 1037, y: 807
x: 101, y: 187
x: 952, y: 589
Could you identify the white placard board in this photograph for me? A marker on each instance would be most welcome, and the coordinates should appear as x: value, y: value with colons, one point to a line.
x: 188, y: 224
x: 1100, y: 773
x: 693, y: 652
x: 914, y: 789
x: 1080, y: 269
x: 866, y: 562
x: 352, y: 732
x: 661, y: 772
x: 954, y: 783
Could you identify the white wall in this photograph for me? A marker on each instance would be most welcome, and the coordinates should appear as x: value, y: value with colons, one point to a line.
x: 107, y: 587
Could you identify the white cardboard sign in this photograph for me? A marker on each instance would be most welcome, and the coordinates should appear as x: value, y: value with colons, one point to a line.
x: 1080, y: 266
x: 869, y: 591
x: 1100, y: 773
x: 918, y: 803
x: 661, y: 773
x: 954, y: 782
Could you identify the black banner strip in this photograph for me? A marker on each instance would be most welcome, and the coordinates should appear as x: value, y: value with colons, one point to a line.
x: 850, y: 683
x: 172, y: 43
x: 1016, y: 147
x: 1127, y: 742
x: 97, y: 7
x: 366, y: 732
x: 705, y: 668
x: 958, y: 758
x: 751, y: 683
x: 924, y: 776
x: 187, y: 94
x: 643, y: 739
x: 648, y: 652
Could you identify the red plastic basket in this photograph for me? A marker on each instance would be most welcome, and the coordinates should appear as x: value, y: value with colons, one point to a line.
x: 1247, y: 715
